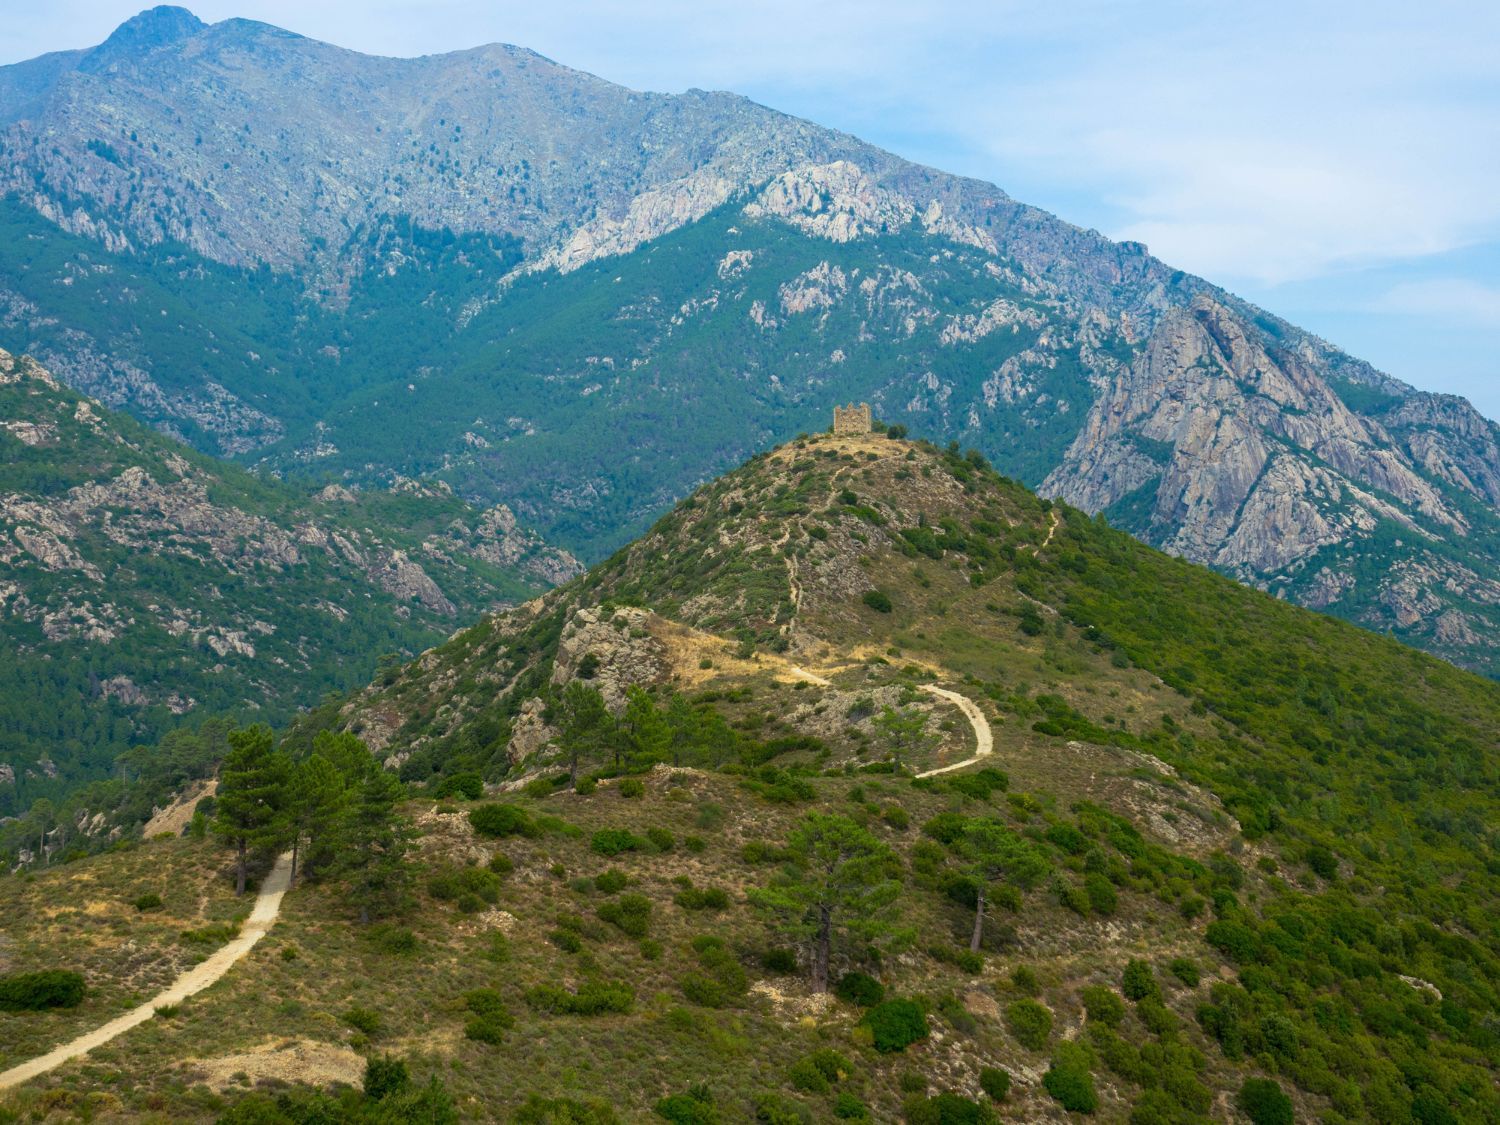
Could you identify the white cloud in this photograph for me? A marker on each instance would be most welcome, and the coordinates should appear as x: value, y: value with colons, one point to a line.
x: 1444, y: 300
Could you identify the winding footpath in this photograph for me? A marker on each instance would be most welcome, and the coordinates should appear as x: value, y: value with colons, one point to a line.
x: 984, y: 739
x: 262, y: 918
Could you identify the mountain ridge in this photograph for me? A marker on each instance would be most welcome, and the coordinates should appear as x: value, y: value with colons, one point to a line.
x: 432, y: 237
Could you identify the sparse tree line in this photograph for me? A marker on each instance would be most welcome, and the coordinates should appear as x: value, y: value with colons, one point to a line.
x: 334, y: 810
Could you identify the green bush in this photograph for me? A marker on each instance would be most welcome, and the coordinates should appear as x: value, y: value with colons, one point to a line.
x: 537, y: 1110
x: 947, y: 1109
x: 1030, y: 1022
x: 35, y: 992
x: 860, y: 989
x: 614, y: 841
x: 661, y: 839
x: 1101, y: 894
x: 388, y: 938
x: 148, y: 901
x: 539, y: 787
x: 1103, y: 1005
x: 1138, y: 981
x: 702, y: 898
x: 593, y: 998
x: 364, y: 1020
x: 454, y: 883
x: 995, y: 1082
x: 1265, y: 1103
x: 385, y: 1076
x: 632, y: 788
x: 722, y: 981
x: 585, y: 786
x: 775, y: 1109
x: 806, y: 1077
x: 610, y: 882
x: 502, y: 820
x: 877, y: 600
x: 501, y: 864
x: 846, y: 1107
x: 1185, y: 969
x: 1023, y: 979
x: 470, y: 786
x: 695, y: 1107
x: 1068, y: 1079
x: 631, y: 914
x: 781, y: 961
x: 895, y: 1025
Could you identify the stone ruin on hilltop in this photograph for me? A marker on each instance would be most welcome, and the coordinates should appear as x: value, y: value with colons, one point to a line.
x: 852, y: 419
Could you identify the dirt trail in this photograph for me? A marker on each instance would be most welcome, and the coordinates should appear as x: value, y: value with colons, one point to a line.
x: 199, y: 977
x: 984, y: 739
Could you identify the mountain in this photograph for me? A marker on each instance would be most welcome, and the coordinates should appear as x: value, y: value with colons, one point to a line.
x: 581, y: 301
x: 144, y: 585
x: 1249, y: 862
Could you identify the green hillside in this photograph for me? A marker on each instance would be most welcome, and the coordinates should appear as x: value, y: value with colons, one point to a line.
x: 144, y: 586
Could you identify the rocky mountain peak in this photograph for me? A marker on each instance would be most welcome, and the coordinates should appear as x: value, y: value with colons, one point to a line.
x: 156, y: 27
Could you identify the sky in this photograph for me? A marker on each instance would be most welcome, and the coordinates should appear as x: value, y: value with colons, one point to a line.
x: 1335, y: 161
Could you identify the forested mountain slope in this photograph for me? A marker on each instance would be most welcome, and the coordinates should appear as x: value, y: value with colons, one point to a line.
x: 144, y: 585
x: 273, y: 248
x: 1226, y: 859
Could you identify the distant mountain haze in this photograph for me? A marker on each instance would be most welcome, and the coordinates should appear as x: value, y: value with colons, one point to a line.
x: 580, y: 301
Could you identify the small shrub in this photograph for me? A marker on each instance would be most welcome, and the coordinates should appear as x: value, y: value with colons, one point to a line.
x: 364, y: 1020
x: 537, y: 1110
x: 610, y: 882
x: 774, y: 1109
x: 895, y: 1025
x: 661, y: 839
x: 566, y: 940
x: 913, y: 1082
x: 877, y: 600
x: 631, y: 914
x: 469, y: 786
x: 806, y: 1077
x: 650, y: 950
x: 632, y: 788
x: 947, y: 1109
x: 846, y: 1107
x: 41, y: 990
x: 385, y: 1076
x: 1265, y: 1103
x: 702, y: 898
x: 995, y: 1083
x: 1139, y: 982
x: 960, y: 1018
x: 694, y: 844
x: 695, y: 1107
x: 453, y: 884
x: 859, y: 989
x: 585, y: 786
x: 1323, y: 862
x: 502, y: 820
x: 501, y: 864
x: 392, y: 939
x: 1030, y: 1022
x: 1069, y: 1082
x: 1101, y: 894
x: 1023, y: 979
x: 1185, y: 969
x: 614, y: 841
x: 593, y: 998
x: 148, y: 901
x: 897, y: 817
x: 1103, y: 1005
x: 779, y: 961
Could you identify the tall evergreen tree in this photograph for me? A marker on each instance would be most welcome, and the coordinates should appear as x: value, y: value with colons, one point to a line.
x: 315, y: 811
x: 841, y: 882
x: 645, y: 727
x: 904, y: 729
x: 993, y: 851
x: 373, y: 846
x: 587, y: 726
x: 250, y: 803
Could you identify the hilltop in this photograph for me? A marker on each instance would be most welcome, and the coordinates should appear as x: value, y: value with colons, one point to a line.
x: 470, y: 266
x: 1246, y: 857
x: 144, y: 586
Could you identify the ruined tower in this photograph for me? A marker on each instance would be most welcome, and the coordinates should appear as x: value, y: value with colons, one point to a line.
x: 852, y: 419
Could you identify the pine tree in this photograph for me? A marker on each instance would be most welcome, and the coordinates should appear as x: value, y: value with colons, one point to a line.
x: 315, y: 812
x: 839, y: 883
x: 650, y: 738
x: 250, y: 803
x: 587, y: 726
x: 994, y: 851
x: 904, y: 729
x: 373, y: 846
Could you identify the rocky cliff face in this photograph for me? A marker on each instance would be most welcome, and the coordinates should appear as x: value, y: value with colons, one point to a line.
x: 436, y: 225
x: 140, y: 581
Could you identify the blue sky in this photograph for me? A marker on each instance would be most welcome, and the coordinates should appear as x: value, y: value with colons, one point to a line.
x: 1337, y: 162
